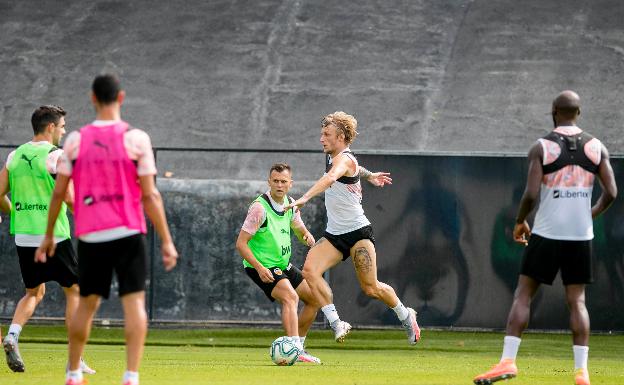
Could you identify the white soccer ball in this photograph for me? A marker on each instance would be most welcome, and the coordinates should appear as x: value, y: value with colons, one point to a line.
x: 284, y: 352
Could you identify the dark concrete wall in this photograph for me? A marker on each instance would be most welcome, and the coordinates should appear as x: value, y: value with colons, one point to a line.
x: 451, y: 75
x: 443, y: 240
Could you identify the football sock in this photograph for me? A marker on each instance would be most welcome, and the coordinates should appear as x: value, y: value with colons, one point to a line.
x: 132, y: 377
x: 580, y: 356
x: 15, y: 329
x: 75, y: 375
x: 401, y: 311
x: 302, y: 339
x: 297, y: 342
x: 510, y: 347
x: 330, y: 313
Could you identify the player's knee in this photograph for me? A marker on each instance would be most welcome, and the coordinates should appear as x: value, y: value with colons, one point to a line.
x: 371, y: 290
x: 290, y: 299
x: 35, y: 294
x: 310, y: 274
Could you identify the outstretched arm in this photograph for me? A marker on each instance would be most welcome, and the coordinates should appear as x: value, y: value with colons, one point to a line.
x: 377, y: 179
x: 339, y: 169
x: 522, y: 230
x: 607, y: 182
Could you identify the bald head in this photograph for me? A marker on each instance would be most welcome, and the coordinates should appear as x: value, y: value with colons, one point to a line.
x: 566, y: 106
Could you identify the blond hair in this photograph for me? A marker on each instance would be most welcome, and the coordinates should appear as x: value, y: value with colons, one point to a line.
x: 345, y: 124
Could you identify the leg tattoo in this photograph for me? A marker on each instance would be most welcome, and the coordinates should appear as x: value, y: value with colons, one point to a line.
x: 362, y: 260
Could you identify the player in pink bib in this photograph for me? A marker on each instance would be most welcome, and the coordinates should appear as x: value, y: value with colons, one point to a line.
x: 112, y: 199
x: 112, y: 166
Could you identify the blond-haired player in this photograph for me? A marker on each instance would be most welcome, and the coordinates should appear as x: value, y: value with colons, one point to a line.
x: 349, y: 232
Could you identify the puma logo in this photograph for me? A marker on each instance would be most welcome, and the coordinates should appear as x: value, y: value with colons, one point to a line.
x: 24, y: 157
x: 97, y: 143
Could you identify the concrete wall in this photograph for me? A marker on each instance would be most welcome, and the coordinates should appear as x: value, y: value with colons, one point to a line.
x: 448, y: 75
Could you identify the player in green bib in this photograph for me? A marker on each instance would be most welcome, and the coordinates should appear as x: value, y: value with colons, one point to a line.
x: 264, y: 242
x: 29, y: 175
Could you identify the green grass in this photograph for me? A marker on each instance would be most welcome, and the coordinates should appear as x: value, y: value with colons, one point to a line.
x: 240, y: 356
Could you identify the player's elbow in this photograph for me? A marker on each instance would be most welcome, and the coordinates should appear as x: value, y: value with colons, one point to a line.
x: 151, y: 197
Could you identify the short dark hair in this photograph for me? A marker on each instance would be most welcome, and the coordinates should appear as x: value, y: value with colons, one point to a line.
x: 106, y: 88
x: 45, y: 115
x: 279, y: 167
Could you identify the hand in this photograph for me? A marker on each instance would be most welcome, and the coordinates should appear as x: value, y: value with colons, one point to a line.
x: 297, y: 204
x: 522, y: 232
x: 169, y: 255
x: 265, y: 275
x: 379, y: 179
x: 47, y: 248
x: 308, y: 238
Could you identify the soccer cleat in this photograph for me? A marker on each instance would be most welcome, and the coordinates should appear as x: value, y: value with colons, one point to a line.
x: 71, y: 381
x: 85, y: 368
x: 304, y: 356
x: 411, y: 327
x: 505, y: 369
x: 581, y: 377
x: 13, y: 358
x: 341, y: 329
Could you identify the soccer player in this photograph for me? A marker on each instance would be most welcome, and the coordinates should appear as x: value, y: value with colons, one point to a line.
x: 29, y: 176
x: 264, y: 243
x: 349, y: 232
x: 112, y: 168
x: 562, y: 169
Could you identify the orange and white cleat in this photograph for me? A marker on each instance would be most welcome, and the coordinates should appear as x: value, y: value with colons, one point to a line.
x: 307, y: 357
x: 581, y: 377
x: 504, y: 370
x: 411, y: 327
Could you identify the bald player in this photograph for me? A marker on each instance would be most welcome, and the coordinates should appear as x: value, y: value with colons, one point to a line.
x: 562, y: 169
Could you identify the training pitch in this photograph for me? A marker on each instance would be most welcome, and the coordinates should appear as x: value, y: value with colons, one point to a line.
x: 240, y: 356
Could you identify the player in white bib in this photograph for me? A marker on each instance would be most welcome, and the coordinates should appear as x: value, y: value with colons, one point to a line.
x: 348, y: 233
x: 562, y: 169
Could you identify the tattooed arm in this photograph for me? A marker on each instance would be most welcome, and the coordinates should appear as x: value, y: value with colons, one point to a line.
x: 378, y: 179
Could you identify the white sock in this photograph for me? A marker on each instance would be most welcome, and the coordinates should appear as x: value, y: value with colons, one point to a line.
x: 133, y: 377
x: 302, y: 339
x: 15, y: 329
x: 330, y: 313
x: 510, y: 347
x: 401, y: 311
x: 75, y: 375
x: 297, y: 342
x: 580, y: 356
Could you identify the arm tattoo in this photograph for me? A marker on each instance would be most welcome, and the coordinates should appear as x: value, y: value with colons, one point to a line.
x: 362, y: 260
x: 364, y: 173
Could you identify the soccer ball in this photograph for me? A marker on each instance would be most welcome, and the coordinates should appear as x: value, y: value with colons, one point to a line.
x: 284, y: 352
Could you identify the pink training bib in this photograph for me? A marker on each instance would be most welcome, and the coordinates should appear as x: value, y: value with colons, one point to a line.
x: 106, y: 184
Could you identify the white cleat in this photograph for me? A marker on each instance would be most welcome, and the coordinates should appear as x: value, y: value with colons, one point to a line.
x: 85, y: 368
x: 341, y: 329
x: 411, y: 327
x: 307, y: 357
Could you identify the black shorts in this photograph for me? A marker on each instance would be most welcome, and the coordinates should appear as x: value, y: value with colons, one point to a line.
x: 97, y: 261
x: 291, y: 273
x: 344, y: 242
x: 62, y: 267
x: 544, y: 257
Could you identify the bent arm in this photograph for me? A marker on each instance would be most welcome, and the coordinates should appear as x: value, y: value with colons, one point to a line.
x: 5, y: 203
x: 534, y: 181
x: 243, y: 249
x: 155, y: 210
x: 607, y: 182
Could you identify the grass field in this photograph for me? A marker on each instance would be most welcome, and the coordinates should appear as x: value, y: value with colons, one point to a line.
x: 240, y: 356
